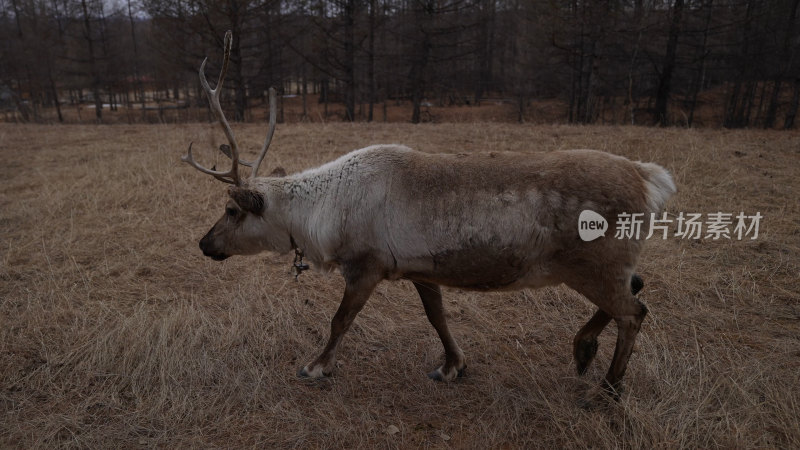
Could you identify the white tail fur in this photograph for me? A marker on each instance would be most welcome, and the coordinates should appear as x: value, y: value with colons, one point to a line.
x: 660, y: 186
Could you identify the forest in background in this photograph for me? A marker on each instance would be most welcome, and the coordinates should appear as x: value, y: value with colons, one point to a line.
x: 642, y: 62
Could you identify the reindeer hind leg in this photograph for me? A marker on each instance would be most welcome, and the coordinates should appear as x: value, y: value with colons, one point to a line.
x: 628, y: 325
x: 584, y: 346
x: 614, y: 296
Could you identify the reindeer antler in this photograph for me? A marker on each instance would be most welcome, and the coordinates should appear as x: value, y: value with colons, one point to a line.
x: 273, y: 107
x: 232, y: 175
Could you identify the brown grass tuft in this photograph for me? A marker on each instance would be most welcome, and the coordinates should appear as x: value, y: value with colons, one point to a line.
x: 116, y: 332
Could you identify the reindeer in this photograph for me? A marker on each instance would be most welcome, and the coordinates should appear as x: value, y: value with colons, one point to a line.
x: 498, y: 221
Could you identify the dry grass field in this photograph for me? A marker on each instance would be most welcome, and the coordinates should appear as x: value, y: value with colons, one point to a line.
x: 115, y: 331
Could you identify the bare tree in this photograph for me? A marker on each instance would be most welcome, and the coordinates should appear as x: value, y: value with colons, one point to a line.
x: 423, y: 14
x: 665, y: 80
x: 785, y: 61
x: 610, y: 62
x: 94, y: 70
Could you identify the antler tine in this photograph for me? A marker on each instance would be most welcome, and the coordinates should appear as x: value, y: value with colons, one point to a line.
x: 213, y: 98
x: 188, y: 158
x: 226, y: 57
x: 273, y: 108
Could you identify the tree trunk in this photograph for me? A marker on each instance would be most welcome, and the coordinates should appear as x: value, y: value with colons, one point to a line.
x: 486, y: 42
x: 56, y: 103
x: 371, y: 61
x: 137, y: 77
x: 665, y: 81
x: 420, y: 61
x: 240, y: 90
x: 737, y: 101
x: 793, y: 106
x: 349, y: 60
x: 93, y: 71
x: 585, y: 101
x: 304, y: 93
x: 701, y: 74
x: 629, y: 100
x: 21, y: 107
x: 772, y: 110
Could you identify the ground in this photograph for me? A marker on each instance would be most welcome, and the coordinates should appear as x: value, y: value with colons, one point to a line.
x: 117, y: 332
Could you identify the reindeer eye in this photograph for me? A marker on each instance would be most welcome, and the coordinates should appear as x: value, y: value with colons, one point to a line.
x: 231, y: 212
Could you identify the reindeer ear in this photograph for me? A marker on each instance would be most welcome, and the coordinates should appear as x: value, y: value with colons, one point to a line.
x: 278, y: 172
x: 248, y: 199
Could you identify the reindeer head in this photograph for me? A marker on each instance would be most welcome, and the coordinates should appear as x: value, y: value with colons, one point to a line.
x: 247, y: 227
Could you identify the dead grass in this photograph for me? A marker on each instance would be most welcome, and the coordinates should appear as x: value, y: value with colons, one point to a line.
x: 116, y: 332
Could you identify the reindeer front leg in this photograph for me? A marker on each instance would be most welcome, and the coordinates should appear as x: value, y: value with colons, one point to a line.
x: 455, y: 362
x: 358, y: 287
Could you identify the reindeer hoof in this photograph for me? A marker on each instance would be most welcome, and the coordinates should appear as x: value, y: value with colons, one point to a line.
x: 601, y: 396
x: 313, y: 374
x: 437, y: 374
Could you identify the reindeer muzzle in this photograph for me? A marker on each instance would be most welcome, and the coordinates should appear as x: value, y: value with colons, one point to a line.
x: 207, y: 246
